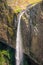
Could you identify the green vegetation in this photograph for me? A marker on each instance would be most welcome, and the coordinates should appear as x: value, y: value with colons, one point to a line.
x: 6, y: 18
x: 6, y: 56
x: 7, y: 25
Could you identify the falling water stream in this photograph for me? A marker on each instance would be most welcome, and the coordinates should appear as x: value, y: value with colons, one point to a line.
x: 19, y: 47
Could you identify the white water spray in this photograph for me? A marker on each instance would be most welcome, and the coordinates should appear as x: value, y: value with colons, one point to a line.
x: 19, y: 47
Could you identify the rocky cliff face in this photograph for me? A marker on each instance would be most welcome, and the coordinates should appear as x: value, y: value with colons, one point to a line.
x: 37, y: 30
x: 7, y: 29
x: 32, y: 37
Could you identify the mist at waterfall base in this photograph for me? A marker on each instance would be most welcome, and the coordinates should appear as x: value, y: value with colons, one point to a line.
x: 19, y: 46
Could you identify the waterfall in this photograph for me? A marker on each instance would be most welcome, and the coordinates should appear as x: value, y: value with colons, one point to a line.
x: 19, y: 47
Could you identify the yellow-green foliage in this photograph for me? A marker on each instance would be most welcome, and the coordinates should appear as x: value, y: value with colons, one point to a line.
x: 6, y: 56
x: 18, y: 9
x: 18, y: 5
x: 11, y: 32
x: 6, y: 18
x: 2, y: 60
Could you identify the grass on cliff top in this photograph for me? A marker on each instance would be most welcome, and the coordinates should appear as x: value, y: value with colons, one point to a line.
x: 19, y: 5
